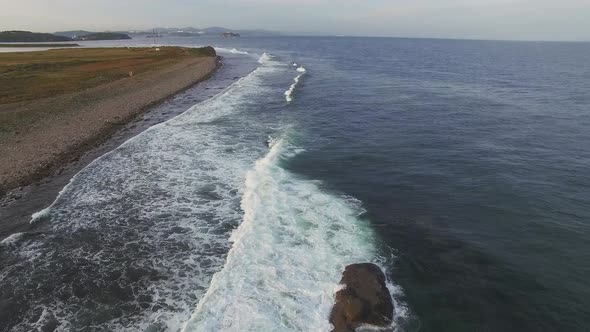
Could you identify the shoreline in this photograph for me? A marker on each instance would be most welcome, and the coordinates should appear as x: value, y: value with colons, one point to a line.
x: 103, y: 117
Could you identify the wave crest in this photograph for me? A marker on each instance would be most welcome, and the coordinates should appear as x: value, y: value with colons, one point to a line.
x: 297, y: 79
x: 271, y: 281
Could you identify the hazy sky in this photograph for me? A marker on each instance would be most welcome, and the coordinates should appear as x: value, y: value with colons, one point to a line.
x: 489, y: 19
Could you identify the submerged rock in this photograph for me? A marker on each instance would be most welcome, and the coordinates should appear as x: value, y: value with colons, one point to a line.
x: 364, y: 300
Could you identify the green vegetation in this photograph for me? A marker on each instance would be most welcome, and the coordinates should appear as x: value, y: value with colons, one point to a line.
x: 202, y: 51
x: 39, y: 45
x: 34, y: 75
x: 103, y: 36
x: 27, y: 36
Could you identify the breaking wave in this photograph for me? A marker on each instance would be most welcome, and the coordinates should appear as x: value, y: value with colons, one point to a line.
x: 289, y: 93
x: 134, y: 239
x: 12, y: 239
x: 231, y: 50
x: 287, y: 255
x: 194, y: 224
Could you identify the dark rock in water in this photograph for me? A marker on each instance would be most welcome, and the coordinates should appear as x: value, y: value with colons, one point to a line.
x: 364, y: 300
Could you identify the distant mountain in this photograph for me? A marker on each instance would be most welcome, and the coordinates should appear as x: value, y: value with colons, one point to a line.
x: 103, y: 36
x: 27, y: 36
x: 259, y: 33
x: 210, y: 31
x: 190, y: 29
x: 183, y: 34
x: 220, y: 31
x: 216, y: 30
x: 73, y: 33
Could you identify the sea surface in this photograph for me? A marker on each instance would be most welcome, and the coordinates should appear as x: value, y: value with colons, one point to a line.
x: 462, y: 168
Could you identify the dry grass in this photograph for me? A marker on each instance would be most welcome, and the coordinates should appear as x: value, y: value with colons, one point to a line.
x: 33, y: 75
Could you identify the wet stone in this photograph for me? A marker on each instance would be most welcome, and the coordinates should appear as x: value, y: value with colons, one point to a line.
x: 365, y: 300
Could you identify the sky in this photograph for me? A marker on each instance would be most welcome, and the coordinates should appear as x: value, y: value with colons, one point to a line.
x: 471, y: 19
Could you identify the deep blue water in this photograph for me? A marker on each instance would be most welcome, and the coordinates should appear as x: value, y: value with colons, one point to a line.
x: 472, y: 159
x: 469, y: 162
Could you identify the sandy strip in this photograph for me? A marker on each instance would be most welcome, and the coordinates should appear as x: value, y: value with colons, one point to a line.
x: 78, y: 122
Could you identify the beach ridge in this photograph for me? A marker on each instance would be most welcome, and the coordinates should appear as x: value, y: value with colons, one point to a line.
x: 76, y: 122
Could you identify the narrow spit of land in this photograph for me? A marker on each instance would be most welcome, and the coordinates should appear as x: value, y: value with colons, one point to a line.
x: 56, y: 104
x: 40, y: 45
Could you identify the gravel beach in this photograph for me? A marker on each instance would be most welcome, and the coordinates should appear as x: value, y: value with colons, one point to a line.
x: 76, y: 122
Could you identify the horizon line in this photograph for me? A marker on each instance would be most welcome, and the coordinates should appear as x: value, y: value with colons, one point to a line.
x: 312, y: 34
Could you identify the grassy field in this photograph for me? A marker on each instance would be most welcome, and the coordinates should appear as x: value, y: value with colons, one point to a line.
x: 33, y: 75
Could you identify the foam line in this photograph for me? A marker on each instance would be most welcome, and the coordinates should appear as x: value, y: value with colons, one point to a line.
x: 287, y: 255
x: 158, y: 211
x: 46, y: 211
x: 297, y: 79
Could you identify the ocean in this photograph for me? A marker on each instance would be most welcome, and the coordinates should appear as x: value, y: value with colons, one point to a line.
x: 461, y: 168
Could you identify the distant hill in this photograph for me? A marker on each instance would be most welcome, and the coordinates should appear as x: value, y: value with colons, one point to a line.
x: 210, y: 31
x: 103, y: 36
x: 183, y: 34
x: 175, y: 30
x: 217, y: 31
x: 27, y: 36
x: 73, y: 33
x: 230, y: 35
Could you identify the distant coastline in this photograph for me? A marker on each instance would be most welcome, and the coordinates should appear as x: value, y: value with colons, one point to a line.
x: 103, y: 36
x: 17, y: 36
x: 19, y: 45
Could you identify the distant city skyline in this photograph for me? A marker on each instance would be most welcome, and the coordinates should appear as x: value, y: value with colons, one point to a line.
x: 467, y: 19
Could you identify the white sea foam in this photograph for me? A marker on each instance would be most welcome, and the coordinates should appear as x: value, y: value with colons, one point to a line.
x: 231, y: 50
x: 166, y: 202
x: 265, y: 58
x: 287, y: 255
x: 297, y: 79
x: 236, y: 51
x: 12, y: 239
x: 250, y: 79
x: 271, y: 141
x: 40, y: 215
